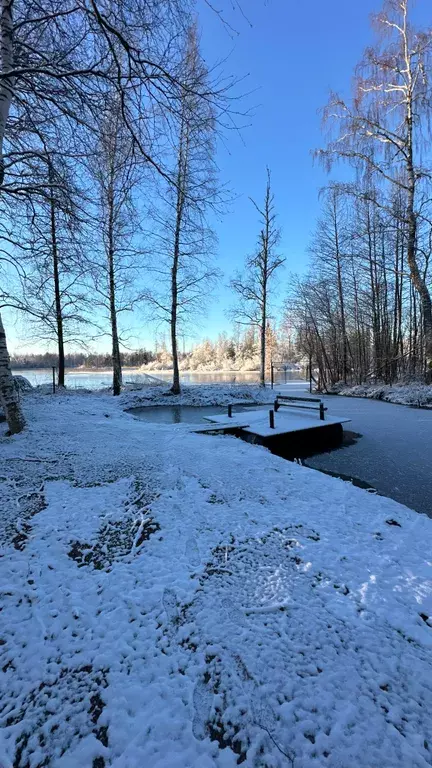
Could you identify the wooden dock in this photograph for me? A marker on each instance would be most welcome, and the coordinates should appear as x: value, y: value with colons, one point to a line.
x: 293, y: 434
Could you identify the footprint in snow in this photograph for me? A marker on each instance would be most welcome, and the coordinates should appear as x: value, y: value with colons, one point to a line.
x: 266, y: 719
x: 202, y: 701
x: 192, y: 552
x: 263, y: 713
x: 233, y: 612
x: 169, y: 601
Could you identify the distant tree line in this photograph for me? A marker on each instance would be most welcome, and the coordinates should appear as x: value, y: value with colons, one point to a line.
x: 81, y: 360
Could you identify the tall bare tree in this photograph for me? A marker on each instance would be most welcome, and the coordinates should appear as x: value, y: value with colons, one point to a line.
x: 185, y: 241
x: 115, y: 173
x: 384, y: 126
x: 252, y: 288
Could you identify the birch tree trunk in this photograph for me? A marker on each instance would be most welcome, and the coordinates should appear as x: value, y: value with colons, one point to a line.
x: 7, y: 62
x: 416, y: 277
x: 408, y: 90
x: 8, y: 393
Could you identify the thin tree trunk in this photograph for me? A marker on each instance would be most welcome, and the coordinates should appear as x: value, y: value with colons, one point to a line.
x: 395, y: 331
x: 263, y: 322
x: 264, y: 283
x: 340, y: 294
x: 8, y: 393
x: 263, y: 338
x: 57, y: 294
x: 374, y: 301
x: 175, y: 389
x: 115, y: 349
x: 116, y: 357
x: 418, y: 281
x: 181, y: 169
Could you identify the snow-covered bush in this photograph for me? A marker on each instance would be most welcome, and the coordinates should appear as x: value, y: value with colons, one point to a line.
x: 22, y: 384
x: 414, y: 394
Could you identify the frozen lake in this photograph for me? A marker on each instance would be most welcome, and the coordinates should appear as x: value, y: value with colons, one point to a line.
x: 394, y: 454
x: 103, y: 378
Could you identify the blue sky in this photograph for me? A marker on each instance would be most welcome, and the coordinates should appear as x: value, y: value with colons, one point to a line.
x: 290, y: 55
x: 293, y: 55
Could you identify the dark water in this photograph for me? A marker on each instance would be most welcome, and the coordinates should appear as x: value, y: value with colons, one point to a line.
x: 186, y: 414
x: 176, y: 414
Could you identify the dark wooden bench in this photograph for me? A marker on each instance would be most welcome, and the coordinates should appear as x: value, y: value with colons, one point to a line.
x: 290, y: 401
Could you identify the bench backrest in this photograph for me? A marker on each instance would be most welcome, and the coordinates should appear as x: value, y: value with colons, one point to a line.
x: 291, y: 401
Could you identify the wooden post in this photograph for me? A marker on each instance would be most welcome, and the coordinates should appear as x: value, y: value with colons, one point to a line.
x: 321, y: 411
x: 54, y: 384
x: 271, y: 419
x: 276, y: 406
x: 271, y: 374
x: 230, y: 411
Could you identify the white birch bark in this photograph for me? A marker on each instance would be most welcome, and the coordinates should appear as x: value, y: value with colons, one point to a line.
x: 6, y: 61
x: 8, y: 394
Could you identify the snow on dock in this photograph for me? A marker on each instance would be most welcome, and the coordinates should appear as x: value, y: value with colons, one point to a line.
x: 285, y: 422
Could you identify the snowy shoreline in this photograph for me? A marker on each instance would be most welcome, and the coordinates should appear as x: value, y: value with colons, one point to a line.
x: 170, y: 599
x: 413, y: 395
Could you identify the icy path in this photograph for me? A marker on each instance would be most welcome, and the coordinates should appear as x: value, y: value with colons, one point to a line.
x: 394, y: 454
x: 170, y: 600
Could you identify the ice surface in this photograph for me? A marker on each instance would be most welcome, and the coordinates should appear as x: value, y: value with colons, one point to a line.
x: 394, y: 454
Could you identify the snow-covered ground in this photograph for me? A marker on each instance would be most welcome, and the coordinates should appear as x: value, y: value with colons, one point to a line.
x: 416, y: 395
x: 173, y: 600
x: 201, y: 395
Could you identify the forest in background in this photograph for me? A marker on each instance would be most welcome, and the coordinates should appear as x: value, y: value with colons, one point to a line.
x: 240, y: 352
